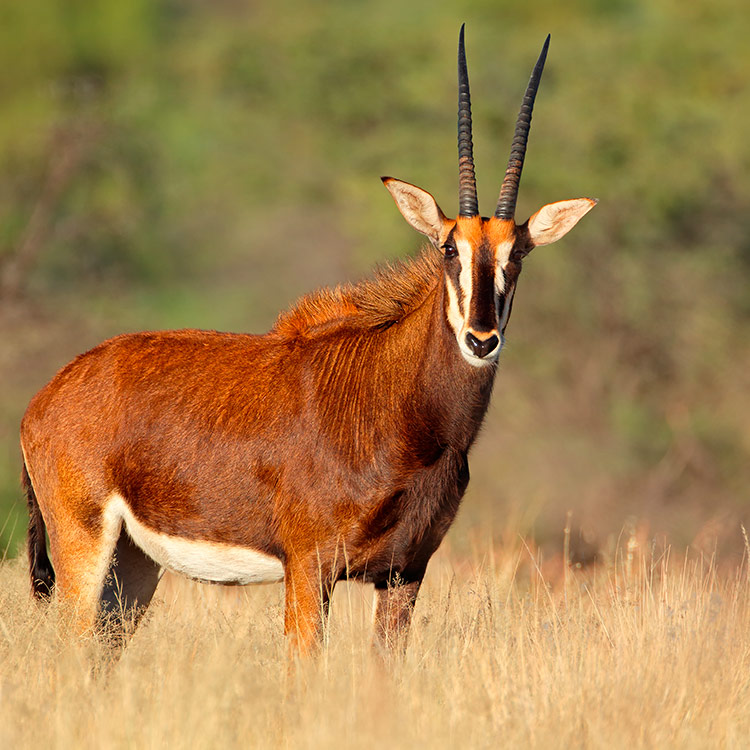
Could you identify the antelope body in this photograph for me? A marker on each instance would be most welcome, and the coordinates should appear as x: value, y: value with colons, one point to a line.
x: 333, y: 446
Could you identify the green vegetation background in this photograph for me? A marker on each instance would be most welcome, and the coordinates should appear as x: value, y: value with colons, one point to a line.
x: 168, y: 163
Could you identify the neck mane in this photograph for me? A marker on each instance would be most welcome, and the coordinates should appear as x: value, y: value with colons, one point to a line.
x: 394, y: 291
x: 408, y: 373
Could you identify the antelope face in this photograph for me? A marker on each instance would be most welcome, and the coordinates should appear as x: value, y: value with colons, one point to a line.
x: 480, y: 279
x: 481, y: 262
x: 482, y: 257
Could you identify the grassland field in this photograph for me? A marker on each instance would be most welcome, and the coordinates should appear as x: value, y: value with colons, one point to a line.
x: 650, y: 649
x: 189, y: 164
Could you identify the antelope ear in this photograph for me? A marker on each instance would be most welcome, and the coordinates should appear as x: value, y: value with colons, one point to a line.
x: 418, y: 207
x: 555, y: 220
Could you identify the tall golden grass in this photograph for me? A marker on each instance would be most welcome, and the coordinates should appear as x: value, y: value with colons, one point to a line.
x: 648, y: 649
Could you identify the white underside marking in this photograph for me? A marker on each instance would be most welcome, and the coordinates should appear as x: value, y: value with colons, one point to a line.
x: 454, y: 313
x: 502, y: 256
x: 206, y: 561
x: 459, y: 322
x: 466, y: 255
x: 506, y: 310
x: 475, y: 361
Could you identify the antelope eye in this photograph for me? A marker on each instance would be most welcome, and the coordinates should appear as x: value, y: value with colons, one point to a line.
x: 450, y: 250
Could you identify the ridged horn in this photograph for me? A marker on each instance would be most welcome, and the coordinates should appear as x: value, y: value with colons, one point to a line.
x: 468, y: 205
x: 506, y: 204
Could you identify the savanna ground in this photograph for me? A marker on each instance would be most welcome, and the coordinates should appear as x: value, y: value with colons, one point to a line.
x: 650, y: 649
x: 200, y: 164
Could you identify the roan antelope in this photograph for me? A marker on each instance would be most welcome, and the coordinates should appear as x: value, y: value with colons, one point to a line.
x: 334, y: 446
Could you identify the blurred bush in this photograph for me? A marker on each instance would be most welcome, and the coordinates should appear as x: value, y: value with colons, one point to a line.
x: 195, y: 163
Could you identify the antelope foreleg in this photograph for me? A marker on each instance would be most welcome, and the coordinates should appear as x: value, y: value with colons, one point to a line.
x: 393, y: 611
x: 307, y: 596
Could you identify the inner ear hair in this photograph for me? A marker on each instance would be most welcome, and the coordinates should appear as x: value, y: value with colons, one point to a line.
x: 555, y: 220
x: 418, y: 207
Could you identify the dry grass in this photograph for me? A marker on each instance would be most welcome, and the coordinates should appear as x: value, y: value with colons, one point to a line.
x: 645, y: 651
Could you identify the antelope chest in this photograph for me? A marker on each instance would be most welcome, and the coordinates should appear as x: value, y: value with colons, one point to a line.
x: 402, y: 531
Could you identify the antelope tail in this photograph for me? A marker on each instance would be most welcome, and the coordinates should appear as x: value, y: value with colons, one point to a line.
x: 40, y: 568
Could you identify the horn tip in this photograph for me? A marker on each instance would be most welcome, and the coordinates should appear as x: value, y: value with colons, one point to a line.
x: 545, y: 46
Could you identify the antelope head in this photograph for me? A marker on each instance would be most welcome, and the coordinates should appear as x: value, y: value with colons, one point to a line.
x: 482, y: 256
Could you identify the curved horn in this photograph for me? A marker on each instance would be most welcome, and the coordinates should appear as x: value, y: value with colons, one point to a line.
x: 468, y: 205
x: 506, y: 204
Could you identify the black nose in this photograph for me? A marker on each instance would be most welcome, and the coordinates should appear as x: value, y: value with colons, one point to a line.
x: 481, y: 347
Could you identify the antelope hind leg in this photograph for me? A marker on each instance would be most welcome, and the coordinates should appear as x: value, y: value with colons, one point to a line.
x: 81, y: 558
x: 128, y: 589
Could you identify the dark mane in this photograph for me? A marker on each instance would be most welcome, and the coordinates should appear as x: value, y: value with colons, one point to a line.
x: 395, y: 290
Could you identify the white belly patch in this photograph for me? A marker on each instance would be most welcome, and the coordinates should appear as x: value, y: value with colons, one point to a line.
x: 206, y: 561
